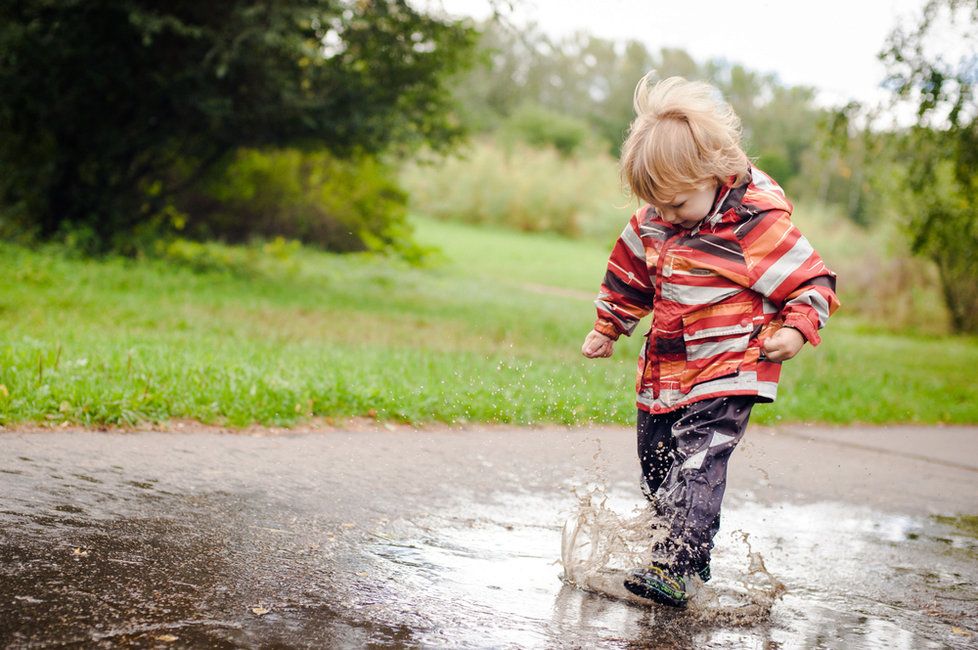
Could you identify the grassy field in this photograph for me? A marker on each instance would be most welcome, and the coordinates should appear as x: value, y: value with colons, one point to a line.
x: 490, y: 333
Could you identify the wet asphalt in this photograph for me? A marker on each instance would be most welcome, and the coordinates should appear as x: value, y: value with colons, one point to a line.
x: 452, y: 539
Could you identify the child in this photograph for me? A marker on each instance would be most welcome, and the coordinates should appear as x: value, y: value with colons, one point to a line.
x: 734, y: 290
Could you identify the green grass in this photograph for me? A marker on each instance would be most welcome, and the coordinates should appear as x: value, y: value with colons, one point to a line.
x: 490, y: 334
x: 967, y: 524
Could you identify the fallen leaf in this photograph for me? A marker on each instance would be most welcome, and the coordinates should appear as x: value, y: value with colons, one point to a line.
x: 166, y: 638
x: 78, y: 552
x: 960, y: 631
x: 260, y: 611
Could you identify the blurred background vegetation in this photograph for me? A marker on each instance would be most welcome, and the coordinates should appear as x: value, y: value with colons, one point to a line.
x: 246, y: 140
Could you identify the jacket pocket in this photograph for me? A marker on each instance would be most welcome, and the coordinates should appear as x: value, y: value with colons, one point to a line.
x: 716, y: 339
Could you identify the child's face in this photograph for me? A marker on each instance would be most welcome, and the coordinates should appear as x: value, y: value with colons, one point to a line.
x: 688, y: 208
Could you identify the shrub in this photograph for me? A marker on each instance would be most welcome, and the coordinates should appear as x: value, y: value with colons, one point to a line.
x: 338, y: 204
x: 271, y: 258
x: 540, y: 128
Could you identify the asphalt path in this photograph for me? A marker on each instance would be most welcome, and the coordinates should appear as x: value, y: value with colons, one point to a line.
x: 452, y: 537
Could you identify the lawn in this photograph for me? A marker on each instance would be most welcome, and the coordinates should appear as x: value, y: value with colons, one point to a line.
x: 489, y: 332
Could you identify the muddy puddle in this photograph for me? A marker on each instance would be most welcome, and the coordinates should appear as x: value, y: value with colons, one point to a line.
x: 475, y: 539
x: 813, y: 575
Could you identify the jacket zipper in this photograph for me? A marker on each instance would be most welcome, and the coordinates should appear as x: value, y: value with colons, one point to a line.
x: 660, y: 264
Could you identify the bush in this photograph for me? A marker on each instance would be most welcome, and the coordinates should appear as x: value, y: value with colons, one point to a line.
x: 273, y: 258
x: 338, y: 204
x: 540, y: 128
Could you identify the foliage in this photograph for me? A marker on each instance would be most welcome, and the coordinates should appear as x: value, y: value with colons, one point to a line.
x: 273, y: 258
x: 942, y: 148
x: 944, y: 225
x: 592, y: 79
x: 541, y: 127
x: 103, y: 100
x: 340, y: 204
x: 840, y: 165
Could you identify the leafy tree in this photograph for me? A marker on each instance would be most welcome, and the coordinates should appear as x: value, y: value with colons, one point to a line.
x: 943, y: 147
x: 110, y: 107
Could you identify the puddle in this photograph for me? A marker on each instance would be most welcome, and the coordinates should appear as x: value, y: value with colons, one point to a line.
x: 808, y: 575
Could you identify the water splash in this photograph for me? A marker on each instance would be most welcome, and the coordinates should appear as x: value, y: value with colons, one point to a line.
x: 746, y: 601
x: 600, y: 545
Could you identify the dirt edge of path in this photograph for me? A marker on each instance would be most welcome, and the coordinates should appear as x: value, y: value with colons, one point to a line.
x: 310, y: 425
x: 321, y: 424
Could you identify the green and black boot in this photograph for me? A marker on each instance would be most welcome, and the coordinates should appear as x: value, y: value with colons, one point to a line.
x: 658, y: 584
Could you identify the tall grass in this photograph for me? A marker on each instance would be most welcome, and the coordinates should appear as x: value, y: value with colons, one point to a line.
x: 524, y: 188
x: 879, y: 280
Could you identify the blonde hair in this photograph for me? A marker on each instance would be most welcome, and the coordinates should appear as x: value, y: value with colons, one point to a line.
x: 684, y: 137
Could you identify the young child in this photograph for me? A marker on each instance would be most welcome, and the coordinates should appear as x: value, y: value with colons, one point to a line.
x: 734, y: 290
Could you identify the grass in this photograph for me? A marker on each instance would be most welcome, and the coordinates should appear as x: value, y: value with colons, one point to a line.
x: 966, y: 524
x: 490, y: 334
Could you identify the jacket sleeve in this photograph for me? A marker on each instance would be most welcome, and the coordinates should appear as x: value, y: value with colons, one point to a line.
x: 626, y: 292
x: 784, y: 267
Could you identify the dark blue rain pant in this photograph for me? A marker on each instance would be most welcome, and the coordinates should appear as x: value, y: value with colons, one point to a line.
x: 684, y: 458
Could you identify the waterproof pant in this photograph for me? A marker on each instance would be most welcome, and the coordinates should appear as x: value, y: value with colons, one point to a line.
x: 684, y: 458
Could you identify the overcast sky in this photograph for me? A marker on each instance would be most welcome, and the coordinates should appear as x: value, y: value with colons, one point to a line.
x: 829, y: 44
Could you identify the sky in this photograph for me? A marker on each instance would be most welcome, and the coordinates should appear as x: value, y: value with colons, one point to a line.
x: 829, y: 44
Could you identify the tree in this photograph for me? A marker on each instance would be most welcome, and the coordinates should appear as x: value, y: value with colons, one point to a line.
x: 109, y: 107
x: 593, y: 79
x: 943, y: 147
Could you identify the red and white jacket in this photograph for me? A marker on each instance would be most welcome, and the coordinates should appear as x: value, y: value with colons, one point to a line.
x: 714, y: 292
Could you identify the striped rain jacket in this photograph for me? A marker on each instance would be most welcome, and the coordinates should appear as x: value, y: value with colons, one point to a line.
x: 714, y: 291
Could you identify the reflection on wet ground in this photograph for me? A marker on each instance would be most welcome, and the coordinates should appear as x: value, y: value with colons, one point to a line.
x: 416, y: 540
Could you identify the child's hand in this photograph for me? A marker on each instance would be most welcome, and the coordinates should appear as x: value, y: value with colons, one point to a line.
x: 597, y: 345
x: 783, y: 344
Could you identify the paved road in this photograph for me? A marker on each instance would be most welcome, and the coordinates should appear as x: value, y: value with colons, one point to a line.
x: 421, y: 538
